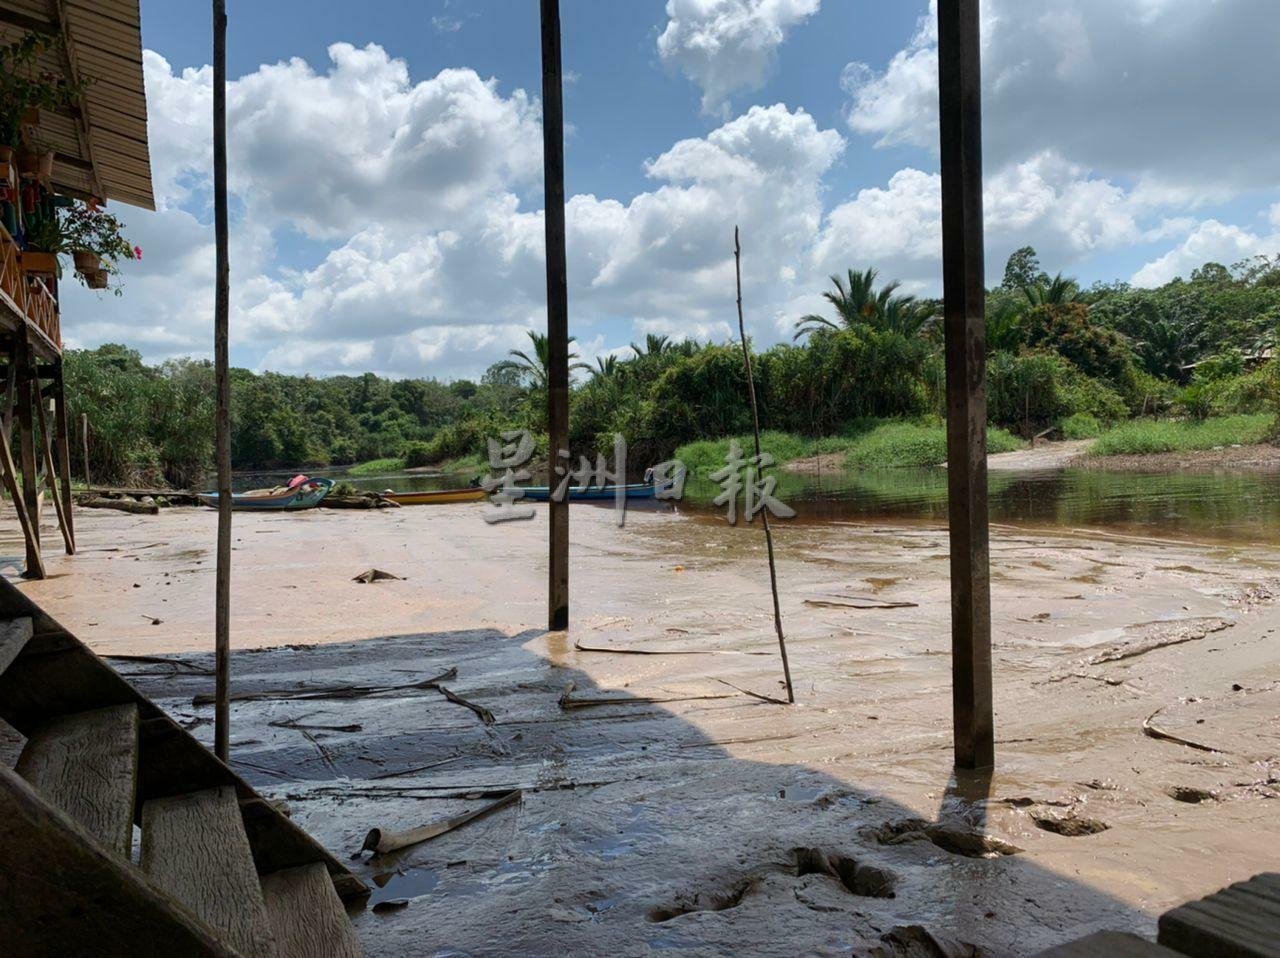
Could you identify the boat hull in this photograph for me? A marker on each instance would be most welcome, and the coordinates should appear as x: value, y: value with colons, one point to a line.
x: 307, y: 496
x: 636, y: 490
x: 433, y: 497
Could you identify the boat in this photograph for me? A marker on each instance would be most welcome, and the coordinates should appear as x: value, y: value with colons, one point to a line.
x: 635, y: 490
x: 305, y: 494
x: 433, y: 497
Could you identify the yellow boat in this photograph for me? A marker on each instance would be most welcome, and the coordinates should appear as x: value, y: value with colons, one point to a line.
x: 433, y: 497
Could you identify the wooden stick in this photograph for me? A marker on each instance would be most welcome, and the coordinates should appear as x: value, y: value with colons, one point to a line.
x: 222, y: 376
x: 84, y: 438
x: 27, y: 454
x: 381, y: 843
x: 764, y: 513
x: 10, y: 479
x: 63, y: 447
x: 964, y: 297
x: 557, y: 307
x: 51, y: 477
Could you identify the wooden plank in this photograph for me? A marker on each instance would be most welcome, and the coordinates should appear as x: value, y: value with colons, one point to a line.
x: 1108, y: 944
x: 307, y: 916
x: 1241, y: 921
x: 557, y: 306
x: 51, y: 479
x: 66, y: 895
x: 195, y: 848
x: 8, y: 473
x: 14, y: 635
x: 87, y: 765
x: 964, y: 299
x: 62, y: 427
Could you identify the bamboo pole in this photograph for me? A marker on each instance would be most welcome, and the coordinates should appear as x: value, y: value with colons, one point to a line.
x: 964, y: 302
x: 764, y: 513
x: 222, y: 416
x: 557, y: 307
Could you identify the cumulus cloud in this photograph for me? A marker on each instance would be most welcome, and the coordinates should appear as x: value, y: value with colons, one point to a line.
x: 1128, y: 88
x: 728, y: 45
x: 1209, y: 242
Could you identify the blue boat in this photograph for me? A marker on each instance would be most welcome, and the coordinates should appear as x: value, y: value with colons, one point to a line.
x: 305, y: 495
x: 636, y: 490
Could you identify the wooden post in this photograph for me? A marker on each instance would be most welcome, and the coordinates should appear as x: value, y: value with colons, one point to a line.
x: 84, y: 437
x: 557, y: 306
x: 51, y: 477
x: 964, y: 302
x: 222, y: 416
x: 28, y: 396
x: 60, y: 422
x: 8, y: 474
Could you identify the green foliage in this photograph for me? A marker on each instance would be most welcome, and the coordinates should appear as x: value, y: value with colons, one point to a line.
x: 1147, y: 436
x: 915, y: 444
x: 24, y: 86
x: 705, y: 456
x: 1023, y: 270
x: 1081, y: 425
x: 416, y: 453
x: 1031, y: 390
x: 376, y: 467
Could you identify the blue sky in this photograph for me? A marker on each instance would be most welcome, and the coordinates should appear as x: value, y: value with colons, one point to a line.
x: 386, y: 169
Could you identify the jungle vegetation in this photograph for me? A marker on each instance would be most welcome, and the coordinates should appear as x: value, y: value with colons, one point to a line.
x: 1059, y: 355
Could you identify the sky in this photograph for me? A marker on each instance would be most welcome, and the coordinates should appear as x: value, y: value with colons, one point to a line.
x: 386, y: 169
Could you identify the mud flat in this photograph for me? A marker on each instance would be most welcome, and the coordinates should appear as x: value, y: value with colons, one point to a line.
x: 1137, y: 691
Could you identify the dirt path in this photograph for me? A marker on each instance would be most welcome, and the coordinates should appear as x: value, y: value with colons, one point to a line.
x: 668, y: 814
x: 1044, y: 455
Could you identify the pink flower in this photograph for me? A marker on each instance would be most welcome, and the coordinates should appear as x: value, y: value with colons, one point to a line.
x: 137, y: 252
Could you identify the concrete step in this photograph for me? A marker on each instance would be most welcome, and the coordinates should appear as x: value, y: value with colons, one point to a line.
x: 1109, y: 944
x: 1241, y: 921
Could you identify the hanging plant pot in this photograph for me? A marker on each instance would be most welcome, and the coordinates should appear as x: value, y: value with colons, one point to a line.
x: 86, y: 262
x: 97, y: 279
x: 6, y: 154
x: 28, y: 161
x: 45, y: 170
x: 39, y: 264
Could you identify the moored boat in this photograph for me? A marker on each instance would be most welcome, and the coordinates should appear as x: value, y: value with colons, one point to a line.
x: 635, y: 490
x: 306, y: 494
x: 431, y: 497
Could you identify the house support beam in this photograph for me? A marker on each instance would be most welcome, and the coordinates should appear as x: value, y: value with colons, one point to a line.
x: 964, y: 302
x: 557, y: 307
x: 28, y: 394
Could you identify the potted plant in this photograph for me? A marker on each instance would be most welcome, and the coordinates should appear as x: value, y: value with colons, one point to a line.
x: 45, y: 240
x: 95, y: 240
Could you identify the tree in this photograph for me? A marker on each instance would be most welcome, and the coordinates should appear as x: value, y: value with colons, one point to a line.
x: 606, y: 366
x: 856, y: 303
x: 654, y: 345
x: 1056, y: 292
x: 1023, y: 270
x: 534, y: 369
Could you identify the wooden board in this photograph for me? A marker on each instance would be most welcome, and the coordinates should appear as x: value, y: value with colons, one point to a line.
x: 87, y: 765
x: 66, y: 895
x: 14, y: 635
x: 307, y: 915
x: 1241, y: 921
x: 195, y: 848
x: 1108, y: 944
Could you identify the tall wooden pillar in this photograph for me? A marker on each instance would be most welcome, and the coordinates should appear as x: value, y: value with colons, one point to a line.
x: 557, y: 306
x: 61, y: 428
x: 964, y: 304
x: 27, y: 396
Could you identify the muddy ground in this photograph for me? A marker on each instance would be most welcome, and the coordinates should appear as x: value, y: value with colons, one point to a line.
x: 666, y: 810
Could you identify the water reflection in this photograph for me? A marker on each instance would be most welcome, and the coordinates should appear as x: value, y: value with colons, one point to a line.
x: 1220, y: 507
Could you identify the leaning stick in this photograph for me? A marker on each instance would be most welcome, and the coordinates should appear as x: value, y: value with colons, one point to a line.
x: 764, y: 513
x: 383, y: 842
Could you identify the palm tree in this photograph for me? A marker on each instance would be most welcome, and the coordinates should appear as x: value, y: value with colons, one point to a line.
x: 535, y: 368
x: 655, y: 345
x: 605, y: 366
x: 906, y: 316
x: 1057, y: 292
x: 1167, y: 347
x: 856, y: 302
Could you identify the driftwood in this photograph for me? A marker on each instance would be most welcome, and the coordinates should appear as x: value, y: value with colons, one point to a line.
x: 485, y: 715
x: 123, y: 505
x: 183, y: 497
x: 329, y: 691
x: 834, y: 600
x: 382, y: 842
x: 1150, y: 730
x: 371, y: 501
x: 634, y: 651
x: 569, y: 701
x: 376, y: 575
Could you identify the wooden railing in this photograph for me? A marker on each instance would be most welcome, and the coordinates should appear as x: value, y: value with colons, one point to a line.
x: 30, y: 294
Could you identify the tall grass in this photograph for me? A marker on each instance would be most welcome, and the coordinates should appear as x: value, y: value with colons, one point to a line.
x: 375, y: 467
x: 915, y: 444
x: 1145, y: 437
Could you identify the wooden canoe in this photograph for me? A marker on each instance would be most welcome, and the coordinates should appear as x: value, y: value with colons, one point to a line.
x: 433, y: 497
x: 306, y: 496
x: 636, y: 490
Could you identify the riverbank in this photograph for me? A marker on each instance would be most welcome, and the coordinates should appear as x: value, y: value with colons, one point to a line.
x: 662, y: 805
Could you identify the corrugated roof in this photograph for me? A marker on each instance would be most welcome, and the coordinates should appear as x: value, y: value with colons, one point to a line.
x: 101, y: 148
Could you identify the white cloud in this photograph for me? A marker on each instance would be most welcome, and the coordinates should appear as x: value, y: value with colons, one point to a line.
x: 728, y: 45
x: 1128, y: 88
x: 1210, y: 241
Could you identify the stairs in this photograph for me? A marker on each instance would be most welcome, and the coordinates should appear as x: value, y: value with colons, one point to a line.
x: 222, y: 872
